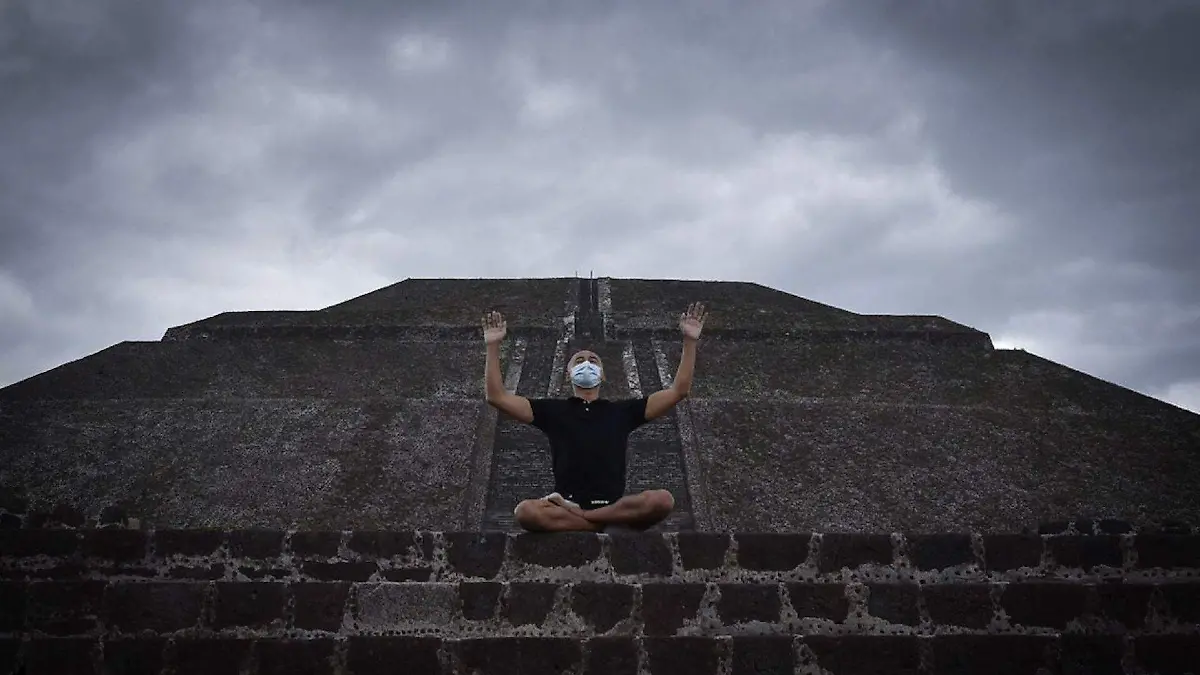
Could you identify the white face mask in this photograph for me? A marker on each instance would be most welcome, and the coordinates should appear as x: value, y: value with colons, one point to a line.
x: 585, y: 375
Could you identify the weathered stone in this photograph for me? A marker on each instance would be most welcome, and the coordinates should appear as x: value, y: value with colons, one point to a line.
x: 1003, y: 552
x: 381, y: 544
x: 560, y: 549
x: 12, y: 606
x: 1167, y: 653
x: 475, y: 555
x: 528, y: 602
x: 602, y: 605
x: 740, y: 603
x: 210, y: 656
x: 10, y: 521
x: 1090, y: 654
x: 763, y: 655
x: 991, y: 654
x: 27, y: 543
x: 61, y: 656
x: 702, y: 550
x: 610, y: 656
x: 1124, y: 603
x: 161, y: 607
x: 319, y: 606
x: 665, y: 607
x: 187, y: 542
x: 395, y: 606
x: 772, y: 551
x: 1183, y: 600
x: 866, y: 653
x: 1086, y: 552
x: 134, y: 657
x: 10, y: 648
x: 1113, y: 526
x: 479, y: 600
x: 341, y: 570
x: 1053, y: 526
x: 681, y: 655
x: 256, y: 543
x: 896, y: 603
x: 518, y: 656
x: 64, y: 607
x: 849, y: 551
x: 252, y: 604
x: 311, y: 544
x: 115, y: 545
x: 384, y: 655
x: 296, y: 657
x: 819, y: 601
x: 643, y: 553
x: 408, y: 574
x: 1167, y: 550
x: 939, y: 551
x: 214, y: 571
x: 1037, y: 603
x: 966, y: 605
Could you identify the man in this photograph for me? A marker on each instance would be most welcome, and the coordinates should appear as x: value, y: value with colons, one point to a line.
x: 588, y: 436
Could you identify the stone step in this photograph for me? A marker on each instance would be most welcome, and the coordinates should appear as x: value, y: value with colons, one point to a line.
x: 760, y: 655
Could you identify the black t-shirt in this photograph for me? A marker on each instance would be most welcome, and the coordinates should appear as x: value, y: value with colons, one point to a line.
x: 587, y: 442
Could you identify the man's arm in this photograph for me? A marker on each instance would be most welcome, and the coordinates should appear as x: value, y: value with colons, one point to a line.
x: 517, y: 407
x: 660, y: 402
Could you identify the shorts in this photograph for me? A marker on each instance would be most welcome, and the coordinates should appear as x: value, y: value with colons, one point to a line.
x: 590, y: 504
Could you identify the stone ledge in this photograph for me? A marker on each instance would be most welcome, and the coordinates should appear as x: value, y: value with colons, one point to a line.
x: 935, y: 655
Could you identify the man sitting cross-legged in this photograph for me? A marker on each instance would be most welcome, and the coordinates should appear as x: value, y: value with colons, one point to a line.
x: 588, y: 437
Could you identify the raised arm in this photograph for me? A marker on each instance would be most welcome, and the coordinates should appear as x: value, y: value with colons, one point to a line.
x: 517, y: 407
x: 690, y: 324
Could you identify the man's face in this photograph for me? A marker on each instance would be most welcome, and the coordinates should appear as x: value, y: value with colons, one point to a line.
x: 580, y: 357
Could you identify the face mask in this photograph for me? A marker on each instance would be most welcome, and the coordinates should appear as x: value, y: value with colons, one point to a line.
x: 586, y: 375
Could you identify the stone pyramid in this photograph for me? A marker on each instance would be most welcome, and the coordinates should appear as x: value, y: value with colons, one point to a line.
x: 327, y: 492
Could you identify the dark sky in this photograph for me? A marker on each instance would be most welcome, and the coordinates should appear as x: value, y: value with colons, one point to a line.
x: 1028, y: 168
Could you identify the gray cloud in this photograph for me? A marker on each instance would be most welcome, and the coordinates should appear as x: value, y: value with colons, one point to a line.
x: 1015, y: 166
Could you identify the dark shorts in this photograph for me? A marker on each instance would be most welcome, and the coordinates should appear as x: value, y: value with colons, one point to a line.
x: 589, y: 504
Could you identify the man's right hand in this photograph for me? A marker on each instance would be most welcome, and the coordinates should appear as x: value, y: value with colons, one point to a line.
x: 494, y: 328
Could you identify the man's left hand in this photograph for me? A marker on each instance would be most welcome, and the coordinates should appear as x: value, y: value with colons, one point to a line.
x: 691, y: 322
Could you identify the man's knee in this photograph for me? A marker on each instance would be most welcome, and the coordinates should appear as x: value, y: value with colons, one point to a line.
x: 528, y: 514
x: 660, y: 501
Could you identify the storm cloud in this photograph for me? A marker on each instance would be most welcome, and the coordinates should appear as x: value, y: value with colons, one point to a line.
x: 1026, y: 168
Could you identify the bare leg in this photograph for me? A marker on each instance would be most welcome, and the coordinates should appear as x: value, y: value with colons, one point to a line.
x: 539, y: 515
x: 641, y: 511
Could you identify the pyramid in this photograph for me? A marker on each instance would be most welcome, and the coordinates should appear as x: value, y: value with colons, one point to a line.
x: 327, y: 491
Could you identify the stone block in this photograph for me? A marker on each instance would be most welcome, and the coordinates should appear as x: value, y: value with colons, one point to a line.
x: 156, y: 606
x: 210, y: 572
x: 1053, y: 526
x: 1168, y: 654
x: 1086, y: 552
x: 319, y: 606
x: 27, y: 543
x: 10, y: 650
x: 991, y: 654
x: 341, y: 570
x: 1050, y: 604
x: 479, y: 599
x: 61, y: 656
x: 939, y: 551
x: 408, y: 574
x: 643, y: 553
x: 741, y: 603
x: 763, y: 655
x: 819, y: 601
x: 63, y: 571
x: 771, y: 551
x: 1090, y: 654
x: 1183, y: 600
x: 134, y: 657
x: 296, y: 657
x: 381, y: 544
x: 13, y: 597
x: 703, y: 550
x: 965, y: 605
x: 251, y: 604
x: 559, y: 549
x: 115, y: 544
x: 395, y: 606
x: 210, y: 656
x: 528, y: 602
x: 315, y: 544
x: 64, y: 607
x: 610, y: 656
x: 385, y: 655
x: 602, y: 606
x: 889, y: 654
x: 1124, y: 603
x: 10, y: 521
x: 187, y: 542
x: 667, y: 656
x: 519, y: 656
x: 1004, y: 552
x: 665, y: 607
x: 1113, y: 526
x: 895, y: 603
x: 260, y: 544
x: 839, y: 550
x: 1167, y: 550
x: 475, y: 555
